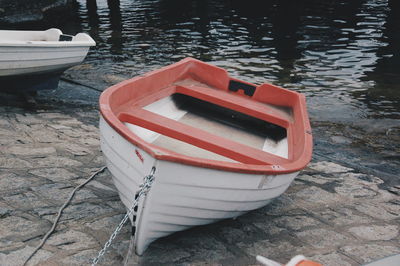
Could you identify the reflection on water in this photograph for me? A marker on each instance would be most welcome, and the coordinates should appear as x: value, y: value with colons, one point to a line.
x: 344, y: 55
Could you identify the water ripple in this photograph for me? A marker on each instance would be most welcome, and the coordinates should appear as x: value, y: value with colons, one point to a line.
x: 342, y: 54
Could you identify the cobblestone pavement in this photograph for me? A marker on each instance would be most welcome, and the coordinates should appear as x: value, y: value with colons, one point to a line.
x: 331, y: 213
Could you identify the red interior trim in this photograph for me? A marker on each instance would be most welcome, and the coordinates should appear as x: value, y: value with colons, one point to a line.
x: 199, y: 138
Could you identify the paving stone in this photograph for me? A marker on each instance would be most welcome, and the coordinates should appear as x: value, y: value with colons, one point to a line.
x: 269, y: 227
x: 323, y: 238
x: 232, y: 232
x: 296, y: 222
x: 46, y: 211
x: 314, y: 178
x: 56, y: 161
x: 42, y: 134
x: 342, y: 216
x: 369, y: 252
x: 113, y: 79
x: 359, y: 178
x: 18, y: 257
x: 92, y: 115
x: 16, y: 228
x: 71, y: 239
x: 328, y: 167
x: 101, y: 186
x: 280, y: 205
x: 358, y: 185
x: 14, y: 163
x: 121, y: 247
x: 14, y: 138
x: 58, y: 126
x: 355, y: 191
x: 28, y: 119
x: 73, y: 133
x: 316, y: 196
x: 6, y: 132
x: 90, y: 141
x: 25, y: 200
x: 6, y: 242
x: 392, y: 206
x: 332, y: 259
x: 394, y: 190
x: 85, y: 210
x: 21, y: 127
x: 376, y: 211
x: 30, y: 150
x: 201, y: 246
x: 105, y: 178
x: 77, y: 150
x: 90, y: 128
x: 57, y: 115
x: 340, y: 140
x: 376, y: 232
x: 117, y: 205
x: 168, y: 256
x: 258, y: 215
x: 60, y: 192
x: 107, y: 224
x: 54, y: 174
x: 10, y: 182
x: 99, y: 160
x: 4, y: 123
x: 85, y: 257
x: 70, y: 122
x: 4, y: 209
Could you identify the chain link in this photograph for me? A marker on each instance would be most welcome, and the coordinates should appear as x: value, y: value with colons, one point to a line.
x: 143, y: 190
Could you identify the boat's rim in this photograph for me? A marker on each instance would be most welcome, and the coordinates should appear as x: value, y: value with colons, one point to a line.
x: 46, y: 44
x: 80, y: 39
x: 286, y: 166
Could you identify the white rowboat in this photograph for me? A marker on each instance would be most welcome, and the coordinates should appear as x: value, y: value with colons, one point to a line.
x: 29, y: 58
x: 221, y: 147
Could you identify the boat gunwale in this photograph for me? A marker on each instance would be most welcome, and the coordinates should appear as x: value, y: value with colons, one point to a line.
x: 50, y: 44
x: 292, y: 164
x: 87, y: 40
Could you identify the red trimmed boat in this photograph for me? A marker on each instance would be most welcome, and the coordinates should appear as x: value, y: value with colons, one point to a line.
x: 221, y: 146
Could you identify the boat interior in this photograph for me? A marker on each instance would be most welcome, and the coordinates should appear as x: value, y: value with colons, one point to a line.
x: 50, y: 35
x: 216, y: 120
x: 195, y: 113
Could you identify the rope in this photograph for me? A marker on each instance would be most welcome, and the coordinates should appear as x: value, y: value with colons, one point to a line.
x: 80, y: 84
x: 60, y: 212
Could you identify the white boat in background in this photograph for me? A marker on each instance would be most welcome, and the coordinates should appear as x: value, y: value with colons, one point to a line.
x: 221, y: 147
x: 32, y: 60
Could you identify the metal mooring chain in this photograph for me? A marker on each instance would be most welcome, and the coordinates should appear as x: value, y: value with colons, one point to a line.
x: 143, y: 190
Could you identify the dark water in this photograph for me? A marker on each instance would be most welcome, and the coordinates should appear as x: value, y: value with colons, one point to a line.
x: 344, y: 55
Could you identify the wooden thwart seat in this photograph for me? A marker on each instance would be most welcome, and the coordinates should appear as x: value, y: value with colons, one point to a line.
x: 237, y: 103
x: 200, y: 138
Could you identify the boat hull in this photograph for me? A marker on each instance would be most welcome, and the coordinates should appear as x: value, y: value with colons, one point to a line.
x: 30, y: 82
x: 32, y: 60
x: 182, y: 196
x: 20, y: 60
